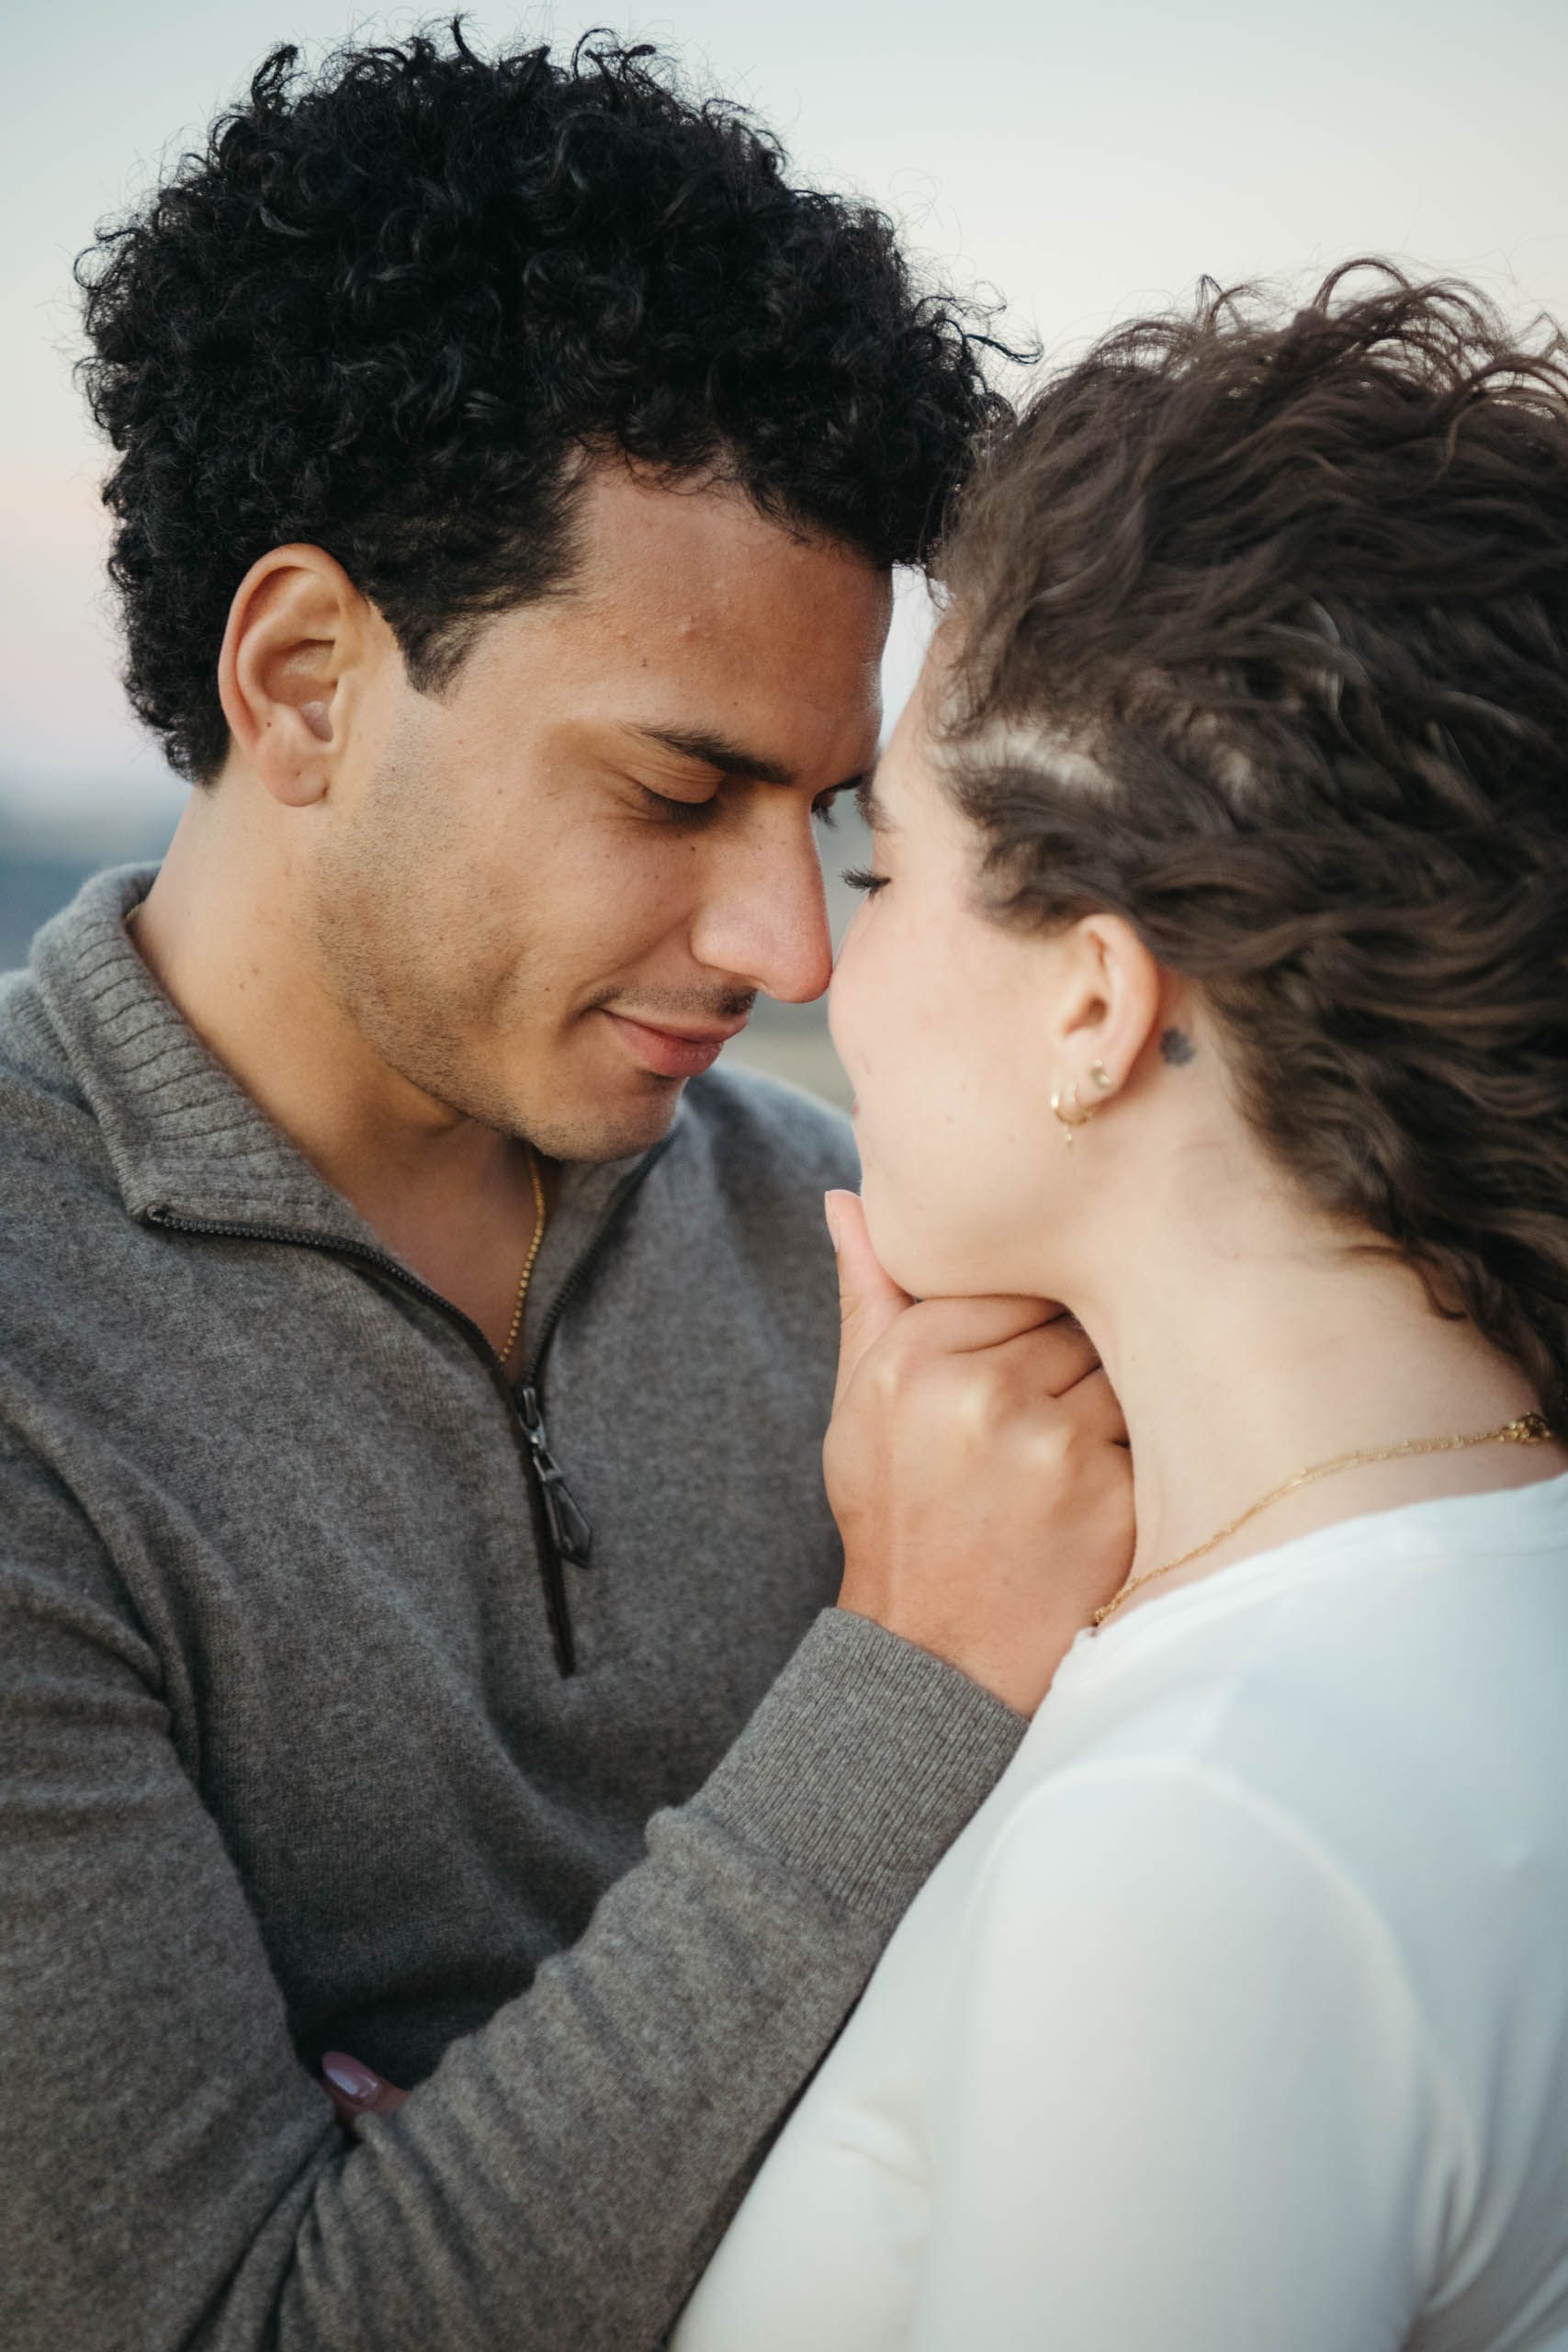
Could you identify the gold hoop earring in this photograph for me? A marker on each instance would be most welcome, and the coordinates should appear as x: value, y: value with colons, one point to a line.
x: 1074, y: 1116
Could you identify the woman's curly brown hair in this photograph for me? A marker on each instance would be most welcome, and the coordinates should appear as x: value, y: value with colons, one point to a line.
x: 1264, y: 624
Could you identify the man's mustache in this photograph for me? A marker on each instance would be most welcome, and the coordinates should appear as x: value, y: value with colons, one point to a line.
x: 683, y: 1005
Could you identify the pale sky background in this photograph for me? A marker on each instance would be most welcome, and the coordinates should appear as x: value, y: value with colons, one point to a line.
x: 1085, y: 162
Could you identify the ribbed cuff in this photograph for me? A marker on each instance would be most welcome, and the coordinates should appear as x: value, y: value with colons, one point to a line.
x: 861, y: 1765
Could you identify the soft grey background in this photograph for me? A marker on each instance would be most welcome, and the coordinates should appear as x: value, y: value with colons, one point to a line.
x: 1086, y: 163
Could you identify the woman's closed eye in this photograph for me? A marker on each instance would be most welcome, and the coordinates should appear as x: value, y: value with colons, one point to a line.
x: 860, y: 877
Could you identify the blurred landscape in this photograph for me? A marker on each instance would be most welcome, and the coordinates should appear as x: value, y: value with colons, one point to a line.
x: 44, y: 860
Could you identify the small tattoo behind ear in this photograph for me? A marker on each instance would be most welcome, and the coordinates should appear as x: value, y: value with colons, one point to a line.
x: 1176, y: 1046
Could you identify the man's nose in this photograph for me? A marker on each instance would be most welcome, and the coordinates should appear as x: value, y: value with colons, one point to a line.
x: 765, y: 920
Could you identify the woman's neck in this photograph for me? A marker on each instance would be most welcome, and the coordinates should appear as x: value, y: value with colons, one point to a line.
x: 1246, y: 1350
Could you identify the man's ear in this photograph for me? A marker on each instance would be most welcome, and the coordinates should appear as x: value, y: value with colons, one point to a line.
x: 292, y: 669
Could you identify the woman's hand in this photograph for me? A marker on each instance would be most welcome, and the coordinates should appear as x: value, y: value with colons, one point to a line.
x: 977, y: 1466
x: 356, y: 2089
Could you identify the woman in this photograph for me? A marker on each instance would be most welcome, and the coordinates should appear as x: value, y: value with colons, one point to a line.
x: 1212, y: 982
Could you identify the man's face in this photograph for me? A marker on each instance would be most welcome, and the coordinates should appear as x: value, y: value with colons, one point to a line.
x: 546, y: 895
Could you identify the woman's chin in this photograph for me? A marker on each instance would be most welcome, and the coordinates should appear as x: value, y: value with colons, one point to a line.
x: 913, y: 1250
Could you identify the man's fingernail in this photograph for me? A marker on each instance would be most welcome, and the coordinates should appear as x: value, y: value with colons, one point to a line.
x: 830, y: 1211
x: 349, y: 2076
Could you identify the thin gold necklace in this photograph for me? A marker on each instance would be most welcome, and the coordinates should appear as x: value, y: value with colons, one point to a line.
x: 1530, y: 1429
x: 532, y: 1258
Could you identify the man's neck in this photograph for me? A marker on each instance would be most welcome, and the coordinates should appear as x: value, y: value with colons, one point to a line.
x: 219, y: 933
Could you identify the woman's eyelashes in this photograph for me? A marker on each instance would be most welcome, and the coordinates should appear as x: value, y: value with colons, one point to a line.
x: 860, y: 877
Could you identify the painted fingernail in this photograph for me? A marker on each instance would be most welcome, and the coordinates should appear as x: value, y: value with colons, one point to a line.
x: 346, y: 2074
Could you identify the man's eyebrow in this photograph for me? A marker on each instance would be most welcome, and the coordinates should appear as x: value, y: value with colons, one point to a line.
x: 716, y: 752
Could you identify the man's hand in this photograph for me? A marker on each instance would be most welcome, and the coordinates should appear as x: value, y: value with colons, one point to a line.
x: 977, y: 1467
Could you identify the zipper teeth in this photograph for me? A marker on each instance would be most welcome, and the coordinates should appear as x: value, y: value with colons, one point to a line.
x: 551, y: 1566
x: 552, y: 1575
x: 355, y: 1250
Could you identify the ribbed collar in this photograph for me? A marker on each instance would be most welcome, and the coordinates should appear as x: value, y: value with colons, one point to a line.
x: 185, y: 1138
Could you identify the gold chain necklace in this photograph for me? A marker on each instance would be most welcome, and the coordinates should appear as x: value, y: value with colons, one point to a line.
x: 1530, y: 1429
x: 532, y: 1258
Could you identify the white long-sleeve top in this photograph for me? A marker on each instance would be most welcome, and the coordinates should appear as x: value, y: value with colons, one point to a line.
x: 1237, y: 2020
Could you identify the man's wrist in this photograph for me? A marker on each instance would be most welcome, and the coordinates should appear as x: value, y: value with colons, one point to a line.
x: 863, y: 1763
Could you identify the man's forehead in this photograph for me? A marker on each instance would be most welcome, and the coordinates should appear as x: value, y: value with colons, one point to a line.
x: 697, y: 556
x: 617, y: 503
x: 694, y: 625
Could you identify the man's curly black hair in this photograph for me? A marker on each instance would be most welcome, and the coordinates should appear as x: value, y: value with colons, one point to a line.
x: 390, y: 302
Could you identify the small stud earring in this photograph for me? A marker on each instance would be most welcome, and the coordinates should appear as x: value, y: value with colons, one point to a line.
x: 1102, y: 1077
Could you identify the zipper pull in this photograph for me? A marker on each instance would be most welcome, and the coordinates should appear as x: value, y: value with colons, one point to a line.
x: 570, y: 1531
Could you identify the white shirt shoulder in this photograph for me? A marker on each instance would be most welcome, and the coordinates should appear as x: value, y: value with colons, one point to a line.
x: 1239, y: 2014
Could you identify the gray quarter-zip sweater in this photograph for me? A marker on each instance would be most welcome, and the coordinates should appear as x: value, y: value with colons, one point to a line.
x: 327, y: 1718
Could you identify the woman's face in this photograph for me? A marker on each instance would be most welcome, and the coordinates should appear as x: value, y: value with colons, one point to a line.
x: 941, y: 1018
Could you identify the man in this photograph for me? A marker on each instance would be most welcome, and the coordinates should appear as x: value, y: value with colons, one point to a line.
x: 409, y: 1405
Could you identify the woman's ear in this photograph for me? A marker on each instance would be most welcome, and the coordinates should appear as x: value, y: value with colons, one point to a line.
x: 1111, y: 1005
x: 297, y: 637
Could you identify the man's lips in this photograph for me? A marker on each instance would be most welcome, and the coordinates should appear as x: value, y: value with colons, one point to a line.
x: 675, y: 1052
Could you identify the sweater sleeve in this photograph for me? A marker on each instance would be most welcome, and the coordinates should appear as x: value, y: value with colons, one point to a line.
x: 1186, y: 2102
x: 171, y: 2176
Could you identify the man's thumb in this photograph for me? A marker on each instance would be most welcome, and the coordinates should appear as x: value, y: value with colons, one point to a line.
x: 870, y: 1301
